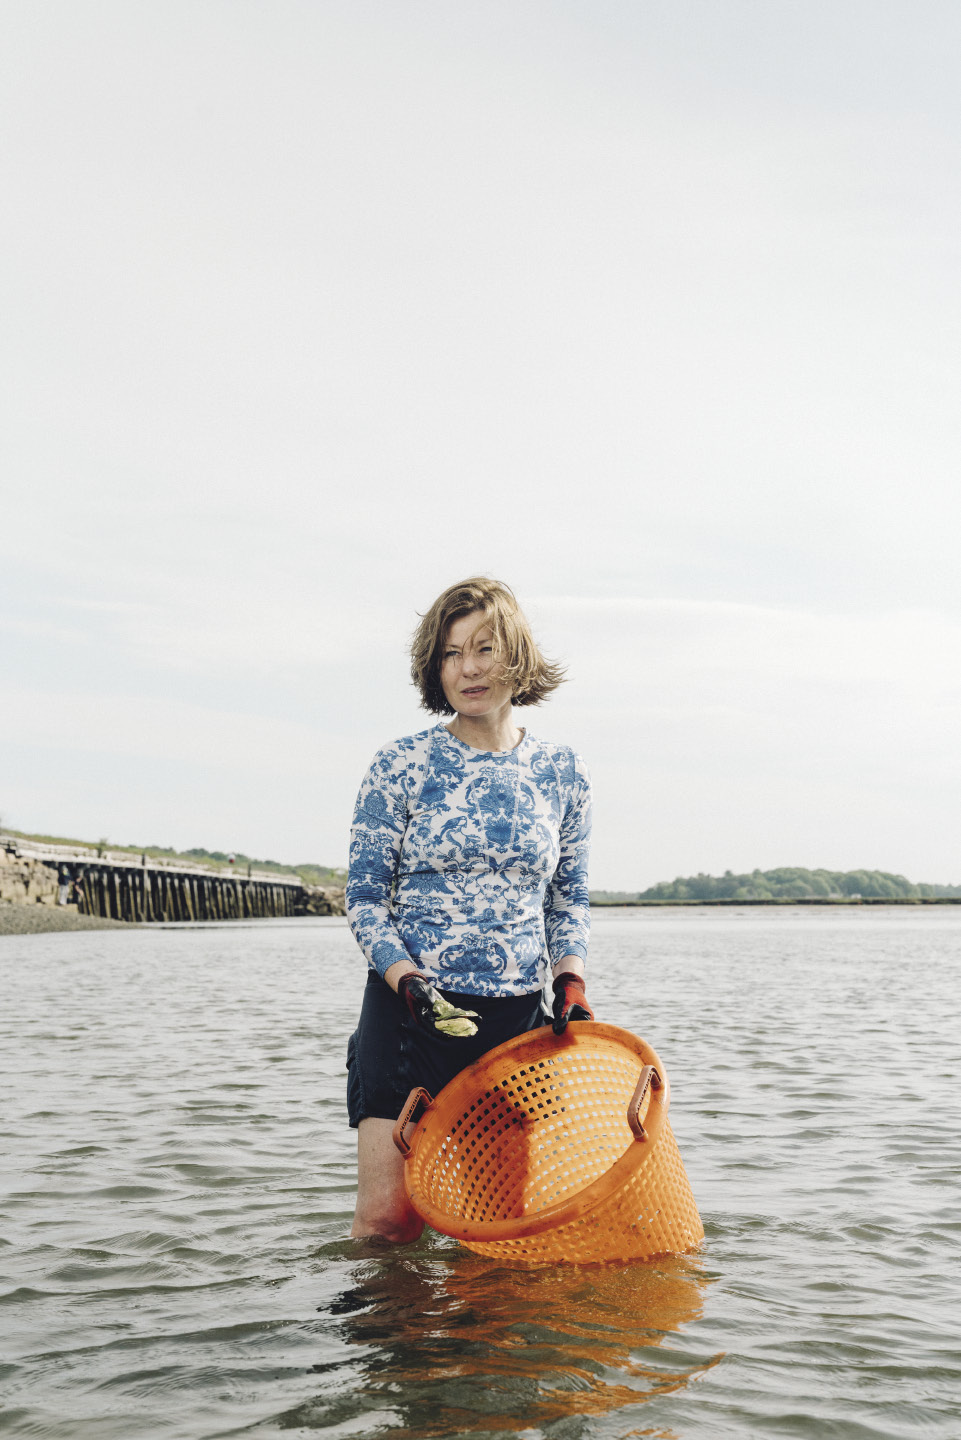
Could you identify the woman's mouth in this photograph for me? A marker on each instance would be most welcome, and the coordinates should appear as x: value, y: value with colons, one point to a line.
x: 475, y: 690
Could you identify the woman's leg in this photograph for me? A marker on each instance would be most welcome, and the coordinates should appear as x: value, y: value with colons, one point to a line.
x: 388, y: 1055
x: 377, y: 1086
x: 382, y: 1205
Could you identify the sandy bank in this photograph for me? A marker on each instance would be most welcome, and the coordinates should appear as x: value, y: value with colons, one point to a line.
x: 39, y: 919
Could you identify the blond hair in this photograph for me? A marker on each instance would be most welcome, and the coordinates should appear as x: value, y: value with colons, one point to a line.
x: 520, y: 664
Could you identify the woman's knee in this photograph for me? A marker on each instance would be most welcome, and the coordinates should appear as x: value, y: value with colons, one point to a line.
x: 398, y: 1226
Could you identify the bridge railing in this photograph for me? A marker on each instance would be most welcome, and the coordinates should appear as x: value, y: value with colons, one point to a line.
x: 125, y: 859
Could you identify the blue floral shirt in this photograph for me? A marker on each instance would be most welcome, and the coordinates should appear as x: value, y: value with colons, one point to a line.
x: 471, y: 863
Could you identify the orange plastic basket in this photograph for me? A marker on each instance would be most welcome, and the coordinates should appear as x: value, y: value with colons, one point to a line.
x: 553, y: 1148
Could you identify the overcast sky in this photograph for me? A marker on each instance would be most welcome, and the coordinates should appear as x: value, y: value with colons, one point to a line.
x: 649, y: 309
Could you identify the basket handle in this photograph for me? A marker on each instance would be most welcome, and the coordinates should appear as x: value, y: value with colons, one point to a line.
x: 417, y: 1100
x: 649, y: 1077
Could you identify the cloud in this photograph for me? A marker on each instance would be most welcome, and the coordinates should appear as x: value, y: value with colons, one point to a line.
x: 729, y: 735
x: 314, y: 312
x: 166, y: 730
x: 904, y: 648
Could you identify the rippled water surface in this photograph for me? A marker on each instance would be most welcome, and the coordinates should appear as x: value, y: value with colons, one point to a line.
x: 178, y: 1180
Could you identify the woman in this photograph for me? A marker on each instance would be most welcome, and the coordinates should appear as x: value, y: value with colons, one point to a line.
x: 468, y: 879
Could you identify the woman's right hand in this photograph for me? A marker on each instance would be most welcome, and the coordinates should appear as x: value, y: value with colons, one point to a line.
x: 432, y: 1012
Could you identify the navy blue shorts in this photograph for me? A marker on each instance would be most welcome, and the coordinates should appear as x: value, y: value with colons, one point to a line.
x: 388, y: 1054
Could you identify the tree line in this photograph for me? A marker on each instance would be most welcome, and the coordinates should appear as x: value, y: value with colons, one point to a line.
x: 785, y: 883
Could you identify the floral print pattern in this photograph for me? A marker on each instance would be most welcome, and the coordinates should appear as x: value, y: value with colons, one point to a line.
x: 471, y: 863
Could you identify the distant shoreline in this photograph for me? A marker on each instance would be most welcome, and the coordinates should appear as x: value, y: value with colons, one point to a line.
x: 49, y: 919
x: 825, y: 900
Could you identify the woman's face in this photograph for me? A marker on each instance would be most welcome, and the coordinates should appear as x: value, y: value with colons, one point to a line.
x: 468, y: 672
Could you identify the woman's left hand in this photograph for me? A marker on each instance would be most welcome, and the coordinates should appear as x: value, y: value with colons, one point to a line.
x: 570, y: 1000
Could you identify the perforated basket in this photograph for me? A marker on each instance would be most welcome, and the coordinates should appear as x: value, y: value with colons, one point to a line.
x: 553, y: 1148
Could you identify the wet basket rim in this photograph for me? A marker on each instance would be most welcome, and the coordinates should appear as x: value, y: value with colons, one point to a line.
x: 531, y: 1046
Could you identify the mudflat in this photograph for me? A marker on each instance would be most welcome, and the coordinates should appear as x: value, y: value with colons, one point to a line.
x: 41, y: 919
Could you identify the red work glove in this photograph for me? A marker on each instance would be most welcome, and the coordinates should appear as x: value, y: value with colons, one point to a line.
x: 570, y: 1001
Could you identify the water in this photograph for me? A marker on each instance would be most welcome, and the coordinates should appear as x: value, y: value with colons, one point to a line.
x: 172, y: 1222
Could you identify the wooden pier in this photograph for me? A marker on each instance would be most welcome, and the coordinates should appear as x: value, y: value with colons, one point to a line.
x: 148, y: 890
x: 156, y: 894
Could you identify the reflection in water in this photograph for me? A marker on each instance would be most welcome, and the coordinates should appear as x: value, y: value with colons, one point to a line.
x: 442, y: 1342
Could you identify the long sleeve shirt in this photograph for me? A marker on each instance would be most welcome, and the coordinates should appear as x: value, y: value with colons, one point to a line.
x: 471, y: 863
